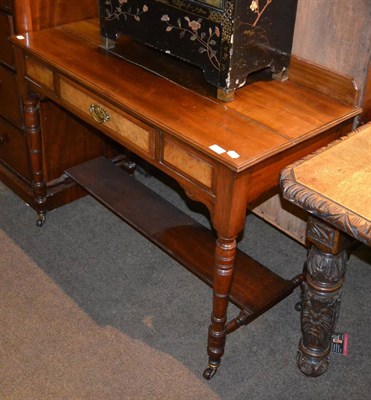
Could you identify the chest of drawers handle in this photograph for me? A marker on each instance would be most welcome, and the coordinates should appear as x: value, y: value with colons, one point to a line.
x: 99, y: 114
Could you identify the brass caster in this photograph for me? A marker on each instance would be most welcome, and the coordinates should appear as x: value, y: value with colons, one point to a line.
x: 210, y: 371
x: 40, y: 219
x: 130, y: 167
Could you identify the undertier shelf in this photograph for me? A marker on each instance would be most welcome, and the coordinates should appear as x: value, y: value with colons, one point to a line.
x: 255, y: 288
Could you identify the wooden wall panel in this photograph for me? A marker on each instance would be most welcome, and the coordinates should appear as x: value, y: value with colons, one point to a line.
x: 335, y: 34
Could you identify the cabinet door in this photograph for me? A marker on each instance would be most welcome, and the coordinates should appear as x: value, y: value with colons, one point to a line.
x: 6, y: 30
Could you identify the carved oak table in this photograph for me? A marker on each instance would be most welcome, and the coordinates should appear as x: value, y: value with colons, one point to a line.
x: 224, y: 156
x: 334, y: 186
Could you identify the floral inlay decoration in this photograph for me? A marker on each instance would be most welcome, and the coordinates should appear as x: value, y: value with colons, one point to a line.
x: 256, y: 8
x: 212, y: 34
x: 205, y: 39
x: 119, y: 11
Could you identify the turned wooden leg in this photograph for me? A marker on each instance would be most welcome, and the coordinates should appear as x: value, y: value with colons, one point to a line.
x: 325, y: 273
x: 33, y: 132
x: 223, y: 276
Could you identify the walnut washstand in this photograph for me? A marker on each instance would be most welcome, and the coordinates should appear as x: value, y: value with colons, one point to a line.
x: 224, y: 156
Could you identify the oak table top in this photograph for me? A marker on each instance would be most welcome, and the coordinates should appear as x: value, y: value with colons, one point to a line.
x: 335, y: 184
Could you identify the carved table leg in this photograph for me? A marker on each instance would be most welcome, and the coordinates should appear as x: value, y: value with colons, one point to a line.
x: 223, y: 276
x: 325, y: 271
x: 32, y: 128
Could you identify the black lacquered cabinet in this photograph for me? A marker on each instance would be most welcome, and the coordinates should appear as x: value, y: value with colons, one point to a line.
x: 227, y: 39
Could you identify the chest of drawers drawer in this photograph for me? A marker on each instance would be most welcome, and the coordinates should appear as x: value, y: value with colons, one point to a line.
x: 6, y: 30
x: 10, y: 107
x: 13, y: 149
x: 6, y: 4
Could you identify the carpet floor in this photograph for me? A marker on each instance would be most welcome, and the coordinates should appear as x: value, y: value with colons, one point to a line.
x: 89, y: 309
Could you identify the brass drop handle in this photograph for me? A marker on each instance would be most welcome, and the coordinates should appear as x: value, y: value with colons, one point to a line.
x: 99, y: 114
x: 2, y: 139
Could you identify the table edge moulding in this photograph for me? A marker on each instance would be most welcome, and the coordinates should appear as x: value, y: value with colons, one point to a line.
x: 225, y: 156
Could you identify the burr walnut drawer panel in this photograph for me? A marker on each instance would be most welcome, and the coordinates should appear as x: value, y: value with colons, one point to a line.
x: 10, y: 106
x: 39, y: 73
x: 186, y: 162
x: 13, y: 148
x: 6, y: 30
x: 122, y: 127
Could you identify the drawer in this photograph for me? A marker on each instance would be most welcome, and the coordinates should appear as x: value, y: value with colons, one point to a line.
x: 39, y: 73
x: 10, y: 105
x: 13, y: 149
x: 184, y: 161
x: 6, y: 30
x: 6, y: 4
x: 119, y: 125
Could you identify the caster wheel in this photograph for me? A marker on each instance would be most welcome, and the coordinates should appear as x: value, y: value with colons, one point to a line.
x: 209, y: 372
x: 40, y: 219
x: 130, y: 167
x: 298, y: 306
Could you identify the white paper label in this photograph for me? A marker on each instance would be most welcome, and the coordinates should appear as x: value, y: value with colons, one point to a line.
x: 217, y: 149
x: 233, y: 154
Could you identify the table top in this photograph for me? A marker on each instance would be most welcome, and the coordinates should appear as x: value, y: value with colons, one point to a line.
x: 265, y: 119
x: 334, y: 183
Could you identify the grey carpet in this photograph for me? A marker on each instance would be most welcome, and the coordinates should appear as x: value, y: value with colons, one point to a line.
x: 91, y: 310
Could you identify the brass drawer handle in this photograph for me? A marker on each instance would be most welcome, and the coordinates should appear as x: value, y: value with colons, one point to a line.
x: 99, y: 114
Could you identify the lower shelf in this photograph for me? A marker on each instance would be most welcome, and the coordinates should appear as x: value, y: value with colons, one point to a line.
x: 255, y: 288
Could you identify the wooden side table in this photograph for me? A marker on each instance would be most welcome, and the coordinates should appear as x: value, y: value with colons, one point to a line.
x: 334, y: 186
x: 225, y: 156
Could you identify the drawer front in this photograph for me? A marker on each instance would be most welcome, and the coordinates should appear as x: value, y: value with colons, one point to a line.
x: 186, y: 162
x: 39, y: 73
x: 6, y: 4
x: 6, y: 30
x: 120, y: 126
x: 10, y: 106
x: 13, y: 149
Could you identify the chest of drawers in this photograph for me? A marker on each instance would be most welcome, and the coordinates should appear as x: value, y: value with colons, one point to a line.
x: 60, y: 129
